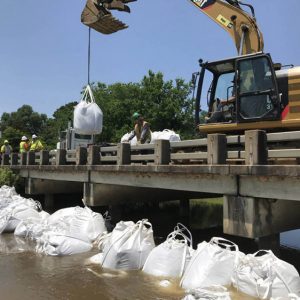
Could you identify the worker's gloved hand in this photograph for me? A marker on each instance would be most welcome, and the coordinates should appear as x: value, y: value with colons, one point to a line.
x: 138, y: 142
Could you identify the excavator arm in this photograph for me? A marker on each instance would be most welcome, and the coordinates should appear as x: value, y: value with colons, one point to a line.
x: 238, y: 23
x: 228, y: 14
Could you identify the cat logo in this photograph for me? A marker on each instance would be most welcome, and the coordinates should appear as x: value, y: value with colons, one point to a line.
x: 203, y: 4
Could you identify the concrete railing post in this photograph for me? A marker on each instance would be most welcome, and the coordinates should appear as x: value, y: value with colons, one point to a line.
x: 5, y: 160
x: 14, y: 159
x: 94, y: 155
x: 123, y: 154
x: 61, y: 157
x: 44, y: 157
x: 256, y: 151
x: 30, y: 158
x: 216, y: 149
x: 23, y: 160
x: 162, y: 152
x: 81, y: 156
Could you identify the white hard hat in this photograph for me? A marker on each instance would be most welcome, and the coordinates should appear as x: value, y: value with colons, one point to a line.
x: 34, y: 136
x: 24, y: 138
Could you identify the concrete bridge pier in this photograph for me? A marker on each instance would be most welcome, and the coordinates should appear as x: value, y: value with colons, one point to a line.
x: 48, y: 202
x: 260, y: 219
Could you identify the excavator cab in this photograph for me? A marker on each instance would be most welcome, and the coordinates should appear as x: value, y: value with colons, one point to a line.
x: 243, y: 90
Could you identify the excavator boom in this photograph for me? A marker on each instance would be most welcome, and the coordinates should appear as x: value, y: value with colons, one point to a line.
x: 239, y: 24
x: 228, y: 14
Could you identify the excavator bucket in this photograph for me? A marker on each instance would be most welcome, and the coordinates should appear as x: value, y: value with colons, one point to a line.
x: 96, y: 15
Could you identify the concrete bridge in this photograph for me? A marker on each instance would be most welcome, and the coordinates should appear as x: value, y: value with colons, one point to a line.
x: 257, y: 174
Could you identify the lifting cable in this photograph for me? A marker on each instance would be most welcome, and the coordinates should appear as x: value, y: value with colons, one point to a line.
x: 89, y: 55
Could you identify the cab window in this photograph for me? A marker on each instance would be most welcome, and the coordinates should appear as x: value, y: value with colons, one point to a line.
x: 256, y: 88
x: 224, y: 87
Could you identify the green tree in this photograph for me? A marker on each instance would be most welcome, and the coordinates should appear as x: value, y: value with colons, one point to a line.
x: 59, y: 122
x: 25, y: 120
x: 165, y: 104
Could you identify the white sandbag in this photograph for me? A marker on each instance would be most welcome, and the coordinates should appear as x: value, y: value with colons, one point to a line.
x: 87, y: 225
x: 126, y: 136
x: 19, y: 214
x: 58, y: 245
x: 289, y: 297
x: 88, y: 117
x: 172, y: 256
x: 78, y: 222
x: 31, y: 228
x: 128, y: 246
x: 44, y: 215
x: 166, y: 134
x: 4, y: 218
x: 211, y: 264
x: 211, y: 293
x: 61, y: 214
x: 7, y: 191
x: 266, y: 276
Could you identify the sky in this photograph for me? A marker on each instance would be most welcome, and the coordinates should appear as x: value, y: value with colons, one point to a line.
x: 43, y: 46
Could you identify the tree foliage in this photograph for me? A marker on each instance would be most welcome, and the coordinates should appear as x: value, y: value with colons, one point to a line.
x: 165, y: 104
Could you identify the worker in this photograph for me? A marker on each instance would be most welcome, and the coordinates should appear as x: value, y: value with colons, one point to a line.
x: 141, y: 129
x: 24, y: 145
x: 218, y: 114
x: 36, y: 145
x: 6, y: 148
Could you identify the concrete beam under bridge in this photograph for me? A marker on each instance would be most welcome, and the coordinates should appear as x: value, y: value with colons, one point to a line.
x: 255, y: 217
x: 108, y: 194
x: 35, y: 186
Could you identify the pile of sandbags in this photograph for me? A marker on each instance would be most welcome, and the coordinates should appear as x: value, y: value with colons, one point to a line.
x: 166, y: 134
x: 69, y: 231
x: 14, y: 209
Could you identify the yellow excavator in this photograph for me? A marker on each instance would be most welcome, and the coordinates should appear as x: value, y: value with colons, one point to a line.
x: 248, y: 91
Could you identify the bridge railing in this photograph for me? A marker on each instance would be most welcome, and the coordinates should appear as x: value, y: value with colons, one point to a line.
x: 255, y: 147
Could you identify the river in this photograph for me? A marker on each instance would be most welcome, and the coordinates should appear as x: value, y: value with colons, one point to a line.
x: 24, y: 274
x: 29, y: 276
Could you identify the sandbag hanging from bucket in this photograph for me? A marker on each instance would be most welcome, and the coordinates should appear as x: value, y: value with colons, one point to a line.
x: 88, y: 117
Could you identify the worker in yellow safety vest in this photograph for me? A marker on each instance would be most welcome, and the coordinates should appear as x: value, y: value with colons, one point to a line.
x: 24, y: 145
x: 6, y: 148
x: 36, y: 144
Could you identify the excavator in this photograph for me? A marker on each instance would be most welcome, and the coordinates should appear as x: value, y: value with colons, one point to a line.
x: 248, y: 91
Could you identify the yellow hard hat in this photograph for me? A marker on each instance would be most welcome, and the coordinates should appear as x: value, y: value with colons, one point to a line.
x: 6, y: 142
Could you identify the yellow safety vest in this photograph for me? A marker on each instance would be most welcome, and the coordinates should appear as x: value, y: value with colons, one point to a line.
x: 24, y: 147
x: 6, y: 149
x: 36, y: 146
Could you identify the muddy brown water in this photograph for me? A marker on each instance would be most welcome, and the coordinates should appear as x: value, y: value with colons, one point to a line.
x: 27, y: 275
